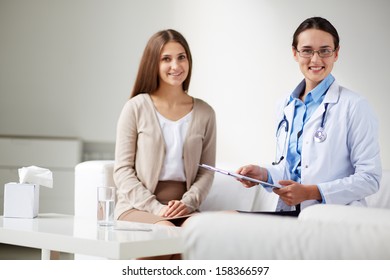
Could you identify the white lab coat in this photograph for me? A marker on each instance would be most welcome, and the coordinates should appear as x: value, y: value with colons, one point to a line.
x: 346, y: 166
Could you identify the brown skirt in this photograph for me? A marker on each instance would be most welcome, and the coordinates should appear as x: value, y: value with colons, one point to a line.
x: 165, y: 192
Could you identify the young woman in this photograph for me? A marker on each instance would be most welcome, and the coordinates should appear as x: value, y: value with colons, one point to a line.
x: 162, y: 135
x: 327, y: 137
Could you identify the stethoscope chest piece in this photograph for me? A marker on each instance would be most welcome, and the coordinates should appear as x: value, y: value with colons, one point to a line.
x: 320, y: 135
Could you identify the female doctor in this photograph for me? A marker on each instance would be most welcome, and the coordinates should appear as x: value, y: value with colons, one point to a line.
x: 327, y: 136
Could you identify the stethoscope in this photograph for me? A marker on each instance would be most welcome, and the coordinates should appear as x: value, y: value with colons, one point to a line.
x: 283, y: 126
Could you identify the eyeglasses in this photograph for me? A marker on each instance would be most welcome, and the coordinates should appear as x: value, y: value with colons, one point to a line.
x: 323, y: 53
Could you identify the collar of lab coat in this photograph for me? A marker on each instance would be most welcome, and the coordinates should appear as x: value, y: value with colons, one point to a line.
x: 331, y: 97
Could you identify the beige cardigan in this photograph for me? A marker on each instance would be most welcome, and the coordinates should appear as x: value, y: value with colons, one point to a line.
x: 140, y: 151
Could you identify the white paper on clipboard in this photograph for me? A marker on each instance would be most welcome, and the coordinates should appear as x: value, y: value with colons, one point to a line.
x: 237, y: 176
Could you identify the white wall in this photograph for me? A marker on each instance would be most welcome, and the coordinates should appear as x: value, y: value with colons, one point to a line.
x: 67, y: 67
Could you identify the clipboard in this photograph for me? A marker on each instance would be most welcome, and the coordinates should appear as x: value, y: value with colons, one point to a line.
x: 237, y: 176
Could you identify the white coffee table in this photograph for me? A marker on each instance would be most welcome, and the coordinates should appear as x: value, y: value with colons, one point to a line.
x: 64, y: 233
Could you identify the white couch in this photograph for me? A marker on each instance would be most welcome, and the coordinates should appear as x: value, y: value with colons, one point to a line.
x: 320, y: 232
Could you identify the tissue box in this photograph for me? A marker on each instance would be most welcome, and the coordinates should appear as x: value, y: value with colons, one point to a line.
x: 21, y: 200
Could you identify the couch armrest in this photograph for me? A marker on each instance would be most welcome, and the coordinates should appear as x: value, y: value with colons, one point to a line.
x: 88, y: 176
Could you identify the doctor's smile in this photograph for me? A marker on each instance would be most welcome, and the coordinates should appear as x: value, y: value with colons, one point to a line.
x: 316, y: 68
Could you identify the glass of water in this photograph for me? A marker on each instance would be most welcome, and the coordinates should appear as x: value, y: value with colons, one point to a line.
x: 105, y: 205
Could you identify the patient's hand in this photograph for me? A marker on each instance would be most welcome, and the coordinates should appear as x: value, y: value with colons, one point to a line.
x: 162, y: 211
x: 176, y: 208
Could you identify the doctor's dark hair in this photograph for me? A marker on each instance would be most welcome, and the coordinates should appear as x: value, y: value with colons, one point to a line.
x: 147, y: 80
x: 316, y: 23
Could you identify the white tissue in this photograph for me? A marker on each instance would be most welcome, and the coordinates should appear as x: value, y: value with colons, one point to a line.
x: 36, y: 175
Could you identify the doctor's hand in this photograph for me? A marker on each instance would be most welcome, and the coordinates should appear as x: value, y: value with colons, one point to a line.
x: 294, y: 193
x: 253, y: 171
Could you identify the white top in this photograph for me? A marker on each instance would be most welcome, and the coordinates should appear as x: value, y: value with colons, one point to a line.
x: 174, y: 133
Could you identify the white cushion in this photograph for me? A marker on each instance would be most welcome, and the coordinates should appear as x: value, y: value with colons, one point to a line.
x: 229, y: 194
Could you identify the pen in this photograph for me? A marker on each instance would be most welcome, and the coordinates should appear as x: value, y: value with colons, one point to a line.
x: 132, y: 229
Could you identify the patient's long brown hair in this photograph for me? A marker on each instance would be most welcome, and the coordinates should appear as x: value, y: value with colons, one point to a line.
x: 147, y: 80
